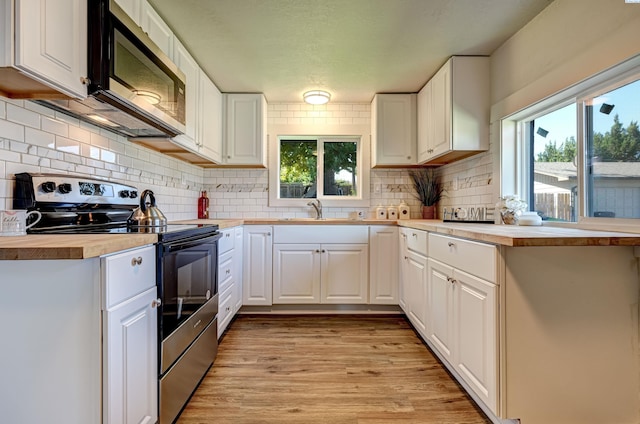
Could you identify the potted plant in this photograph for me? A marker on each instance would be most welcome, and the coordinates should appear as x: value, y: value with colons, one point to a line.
x: 428, y: 190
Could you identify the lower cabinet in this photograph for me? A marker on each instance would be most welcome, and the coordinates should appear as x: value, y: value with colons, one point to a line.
x: 320, y: 273
x: 229, y: 276
x: 463, y: 311
x: 383, y: 265
x: 257, y: 265
x: 413, y: 277
x: 130, y: 337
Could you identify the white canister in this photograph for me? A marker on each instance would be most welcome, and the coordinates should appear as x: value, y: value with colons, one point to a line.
x: 529, y: 218
x: 392, y: 212
x: 381, y: 212
x: 403, y: 211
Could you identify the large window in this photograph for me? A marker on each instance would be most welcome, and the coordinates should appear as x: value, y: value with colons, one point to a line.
x: 327, y: 168
x: 580, y: 151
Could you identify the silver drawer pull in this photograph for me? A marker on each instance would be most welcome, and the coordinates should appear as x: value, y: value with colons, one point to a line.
x: 228, y: 271
x: 136, y: 261
x: 450, y: 244
x: 156, y: 303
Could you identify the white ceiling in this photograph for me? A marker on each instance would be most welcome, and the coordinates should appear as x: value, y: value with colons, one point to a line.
x: 351, y: 48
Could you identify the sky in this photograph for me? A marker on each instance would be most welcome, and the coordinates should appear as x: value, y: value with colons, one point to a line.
x: 561, y: 124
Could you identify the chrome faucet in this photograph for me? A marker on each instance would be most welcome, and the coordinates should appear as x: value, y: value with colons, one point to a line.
x: 317, y: 206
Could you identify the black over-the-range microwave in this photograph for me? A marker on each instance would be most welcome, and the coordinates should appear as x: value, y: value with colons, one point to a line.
x: 134, y: 88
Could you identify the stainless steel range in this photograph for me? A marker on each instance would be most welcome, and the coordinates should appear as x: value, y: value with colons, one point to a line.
x: 187, y: 276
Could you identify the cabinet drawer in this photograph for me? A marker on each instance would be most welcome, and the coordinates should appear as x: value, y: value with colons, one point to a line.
x: 356, y: 234
x: 478, y: 259
x: 225, y: 269
x: 127, y: 274
x: 225, y: 309
x: 417, y: 241
x: 227, y: 241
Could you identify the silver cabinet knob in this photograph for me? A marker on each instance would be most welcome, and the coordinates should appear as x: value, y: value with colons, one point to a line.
x: 317, y: 250
x: 136, y: 261
x: 156, y: 303
x: 450, y: 244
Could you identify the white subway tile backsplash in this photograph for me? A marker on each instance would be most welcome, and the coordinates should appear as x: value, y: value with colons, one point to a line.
x: 54, y: 126
x: 11, y: 131
x: 23, y: 116
x: 67, y: 145
x: 39, y: 138
x: 3, y: 110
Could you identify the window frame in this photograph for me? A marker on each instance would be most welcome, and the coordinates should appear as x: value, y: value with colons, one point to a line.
x: 363, y: 189
x: 514, y: 155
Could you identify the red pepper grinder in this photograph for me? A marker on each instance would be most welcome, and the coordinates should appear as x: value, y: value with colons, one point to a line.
x: 203, y: 206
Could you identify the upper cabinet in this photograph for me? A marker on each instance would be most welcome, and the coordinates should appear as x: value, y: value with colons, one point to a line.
x: 203, y: 135
x: 393, y: 130
x: 245, y: 130
x: 43, y: 49
x: 453, y: 111
x: 156, y: 28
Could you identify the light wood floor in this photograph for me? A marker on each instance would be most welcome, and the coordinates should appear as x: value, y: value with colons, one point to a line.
x: 327, y: 369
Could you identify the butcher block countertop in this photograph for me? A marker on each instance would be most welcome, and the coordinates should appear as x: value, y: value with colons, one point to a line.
x: 523, y: 236
x: 69, y: 246
x: 82, y: 246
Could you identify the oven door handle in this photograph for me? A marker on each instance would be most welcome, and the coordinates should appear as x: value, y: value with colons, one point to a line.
x: 186, y: 244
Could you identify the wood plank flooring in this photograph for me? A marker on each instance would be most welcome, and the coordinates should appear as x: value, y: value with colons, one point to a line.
x: 327, y: 369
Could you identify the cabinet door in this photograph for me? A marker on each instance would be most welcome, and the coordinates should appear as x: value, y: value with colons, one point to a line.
x: 394, y: 132
x: 416, y: 291
x: 131, y: 8
x: 296, y: 273
x: 245, y: 129
x: 425, y: 122
x: 440, y: 301
x: 130, y: 367
x: 475, y: 321
x: 237, y: 256
x: 187, y: 64
x: 257, y: 265
x: 403, y: 259
x: 210, y: 119
x: 383, y: 265
x: 441, y: 111
x: 344, y: 273
x: 51, y: 43
x: 156, y: 28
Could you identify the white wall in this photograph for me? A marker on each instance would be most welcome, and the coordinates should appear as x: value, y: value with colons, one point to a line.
x: 239, y: 193
x: 567, y: 42
x: 36, y: 139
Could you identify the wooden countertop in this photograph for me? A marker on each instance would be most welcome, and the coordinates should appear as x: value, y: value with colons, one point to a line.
x: 69, y: 246
x: 522, y: 236
x: 82, y: 246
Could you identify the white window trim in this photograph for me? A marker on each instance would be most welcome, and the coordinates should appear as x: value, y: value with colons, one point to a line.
x: 364, y: 189
x: 513, y: 155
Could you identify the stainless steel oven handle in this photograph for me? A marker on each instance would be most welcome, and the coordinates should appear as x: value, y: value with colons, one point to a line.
x: 191, y: 243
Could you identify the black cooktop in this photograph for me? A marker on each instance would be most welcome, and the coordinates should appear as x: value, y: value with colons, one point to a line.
x: 165, y: 233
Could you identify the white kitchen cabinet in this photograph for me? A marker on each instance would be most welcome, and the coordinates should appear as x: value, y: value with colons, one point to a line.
x: 210, y: 108
x: 463, y: 311
x: 156, y: 28
x: 132, y: 8
x: 414, y: 248
x: 320, y: 264
x: 130, y: 341
x: 245, y: 140
x: 203, y: 104
x: 257, y: 265
x: 453, y: 111
x: 403, y: 254
x: 393, y: 130
x: 383, y: 264
x: 296, y: 273
x: 43, y: 50
x: 229, y: 276
x: 320, y: 273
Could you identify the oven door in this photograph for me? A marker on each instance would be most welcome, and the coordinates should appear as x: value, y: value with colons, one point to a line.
x: 188, y: 288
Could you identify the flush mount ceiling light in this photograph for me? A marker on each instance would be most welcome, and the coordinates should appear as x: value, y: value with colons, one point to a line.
x: 149, y: 96
x: 316, y: 97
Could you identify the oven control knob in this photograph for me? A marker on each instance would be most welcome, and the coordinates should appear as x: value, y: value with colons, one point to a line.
x: 124, y: 193
x: 133, y: 194
x: 48, y: 186
x: 64, y: 188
